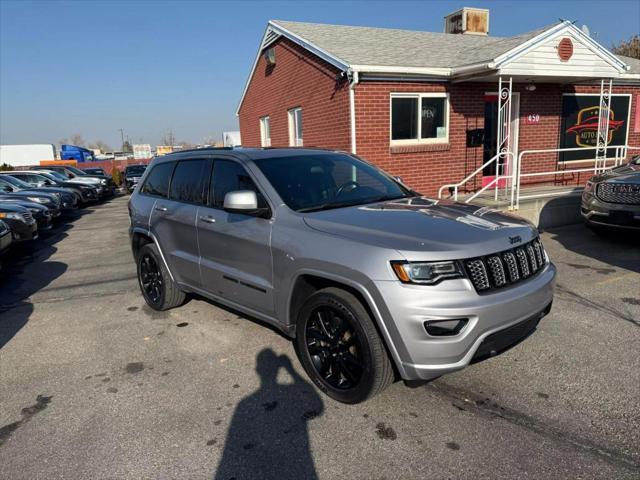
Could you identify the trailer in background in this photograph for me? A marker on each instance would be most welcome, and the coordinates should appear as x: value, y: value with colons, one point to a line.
x: 22, y: 155
x: 79, y: 154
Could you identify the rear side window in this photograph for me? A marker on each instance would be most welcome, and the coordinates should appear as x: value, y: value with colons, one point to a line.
x: 157, y: 183
x: 230, y: 176
x: 187, y: 184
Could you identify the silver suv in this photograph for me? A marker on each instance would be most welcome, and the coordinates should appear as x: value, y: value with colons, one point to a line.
x: 372, y: 281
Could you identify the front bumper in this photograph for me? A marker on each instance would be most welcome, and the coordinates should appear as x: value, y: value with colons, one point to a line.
x: 23, y: 232
x: 424, y: 357
x: 613, y: 215
x: 5, y: 241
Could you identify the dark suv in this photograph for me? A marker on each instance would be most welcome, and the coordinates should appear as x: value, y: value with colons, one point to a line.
x: 370, y: 279
x: 612, y: 199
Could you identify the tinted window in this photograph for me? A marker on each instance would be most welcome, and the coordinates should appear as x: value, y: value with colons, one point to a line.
x: 309, y: 182
x: 404, y: 122
x: 157, y: 182
x: 229, y: 176
x: 188, y: 181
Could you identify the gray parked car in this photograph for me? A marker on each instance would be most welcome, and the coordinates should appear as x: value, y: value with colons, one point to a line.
x: 372, y: 281
x: 612, y: 199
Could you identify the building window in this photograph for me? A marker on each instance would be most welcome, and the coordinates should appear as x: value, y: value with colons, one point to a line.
x: 265, y: 132
x: 295, y: 127
x: 419, y: 118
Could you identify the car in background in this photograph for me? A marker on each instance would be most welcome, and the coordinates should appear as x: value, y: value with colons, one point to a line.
x: 99, y: 185
x: 68, y: 197
x: 40, y: 213
x: 132, y: 175
x: 611, y: 200
x: 77, y: 175
x: 95, y: 171
x: 5, y: 237
x: 9, y: 192
x: 20, y: 220
x: 88, y: 193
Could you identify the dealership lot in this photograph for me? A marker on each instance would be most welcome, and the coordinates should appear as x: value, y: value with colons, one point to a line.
x: 93, y: 384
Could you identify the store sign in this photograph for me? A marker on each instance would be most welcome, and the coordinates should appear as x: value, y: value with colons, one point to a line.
x: 579, y: 129
x: 142, y: 151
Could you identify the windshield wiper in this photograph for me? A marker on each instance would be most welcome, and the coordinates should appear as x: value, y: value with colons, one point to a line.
x: 364, y: 201
x: 328, y: 206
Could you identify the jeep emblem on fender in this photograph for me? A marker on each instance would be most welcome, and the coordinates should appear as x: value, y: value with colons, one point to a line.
x: 516, y: 239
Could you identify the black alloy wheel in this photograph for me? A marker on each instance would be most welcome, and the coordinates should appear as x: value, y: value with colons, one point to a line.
x: 334, y: 347
x: 339, y: 347
x: 151, y: 278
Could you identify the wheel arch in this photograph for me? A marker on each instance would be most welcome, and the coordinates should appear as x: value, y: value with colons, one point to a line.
x: 140, y: 237
x: 309, y: 281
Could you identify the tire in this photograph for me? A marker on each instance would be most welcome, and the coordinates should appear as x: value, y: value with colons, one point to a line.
x: 165, y: 294
x: 355, y: 366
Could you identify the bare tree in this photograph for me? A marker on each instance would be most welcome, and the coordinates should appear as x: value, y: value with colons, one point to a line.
x: 100, y: 145
x: 76, y: 139
x: 169, y: 138
x: 628, y: 48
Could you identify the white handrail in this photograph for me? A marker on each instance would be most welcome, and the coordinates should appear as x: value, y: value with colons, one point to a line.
x: 619, y: 149
x: 473, y: 174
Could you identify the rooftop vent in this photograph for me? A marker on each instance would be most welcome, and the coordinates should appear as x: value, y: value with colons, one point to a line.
x: 471, y: 21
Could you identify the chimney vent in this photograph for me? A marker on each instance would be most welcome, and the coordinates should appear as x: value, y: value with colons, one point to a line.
x: 471, y: 21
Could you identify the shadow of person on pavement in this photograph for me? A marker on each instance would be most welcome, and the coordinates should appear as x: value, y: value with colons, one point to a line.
x: 268, y: 436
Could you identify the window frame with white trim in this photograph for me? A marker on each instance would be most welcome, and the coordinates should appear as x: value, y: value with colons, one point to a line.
x: 295, y: 127
x: 418, y: 139
x: 265, y: 131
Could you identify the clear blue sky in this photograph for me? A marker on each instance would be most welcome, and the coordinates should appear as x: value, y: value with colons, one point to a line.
x: 92, y: 67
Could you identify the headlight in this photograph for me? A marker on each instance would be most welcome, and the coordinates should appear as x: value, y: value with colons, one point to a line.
x: 103, y: 181
x: 12, y: 215
x: 589, y: 186
x: 426, y: 273
x: 37, y: 199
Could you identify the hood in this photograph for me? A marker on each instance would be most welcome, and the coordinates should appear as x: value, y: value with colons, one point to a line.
x: 12, y: 207
x: 424, y: 229
x: 28, y: 192
x: 31, y: 206
x: 629, y: 173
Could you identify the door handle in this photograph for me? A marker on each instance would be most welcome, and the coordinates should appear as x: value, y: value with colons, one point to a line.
x: 161, y: 209
x: 207, y: 218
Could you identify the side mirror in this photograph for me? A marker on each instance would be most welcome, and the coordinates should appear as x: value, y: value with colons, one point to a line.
x: 7, y: 188
x: 243, y: 201
x: 47, y: 182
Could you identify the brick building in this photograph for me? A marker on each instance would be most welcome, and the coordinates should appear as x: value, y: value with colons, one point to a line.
x: 425, y: 105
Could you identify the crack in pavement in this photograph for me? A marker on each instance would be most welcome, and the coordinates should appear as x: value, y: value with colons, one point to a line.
x: 478, y: 404
x: 568, y: 295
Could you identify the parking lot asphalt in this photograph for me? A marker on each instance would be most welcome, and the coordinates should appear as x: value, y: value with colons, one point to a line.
x: 93, y: 384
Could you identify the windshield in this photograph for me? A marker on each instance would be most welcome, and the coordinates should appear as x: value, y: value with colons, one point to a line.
x: 16, y: 182
x: 135, y: 170
x: 321, y: 182
x: 75, y: 170
x: 55, y: 175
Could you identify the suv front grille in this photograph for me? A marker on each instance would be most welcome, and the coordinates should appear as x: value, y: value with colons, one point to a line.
x: 505, y: 268
x: 625, y: 193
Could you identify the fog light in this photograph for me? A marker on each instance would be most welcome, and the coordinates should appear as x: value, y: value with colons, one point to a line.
x: 445, y: 328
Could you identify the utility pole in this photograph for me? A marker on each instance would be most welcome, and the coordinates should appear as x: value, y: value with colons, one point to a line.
x: 122, y: 139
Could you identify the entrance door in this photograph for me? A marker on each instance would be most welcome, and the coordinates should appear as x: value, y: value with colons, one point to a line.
x: 491, y: 135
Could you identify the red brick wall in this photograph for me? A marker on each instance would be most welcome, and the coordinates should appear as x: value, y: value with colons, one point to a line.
x: 427, y: 167
x: 301, y: 79
x: 298, y: 79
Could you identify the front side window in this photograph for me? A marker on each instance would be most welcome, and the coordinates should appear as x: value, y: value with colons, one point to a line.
x: 265, y: 132
x: 228, y: 177
x: 187, y: 184
x: 295, y: 127
x: 320, y: 182
x: 419, y: 118
x: 157, y: 183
